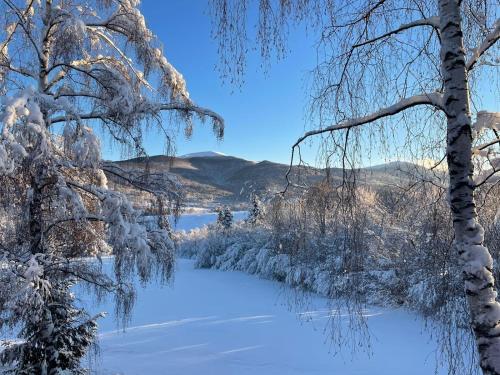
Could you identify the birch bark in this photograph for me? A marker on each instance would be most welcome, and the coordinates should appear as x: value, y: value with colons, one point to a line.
x: 477, y: 263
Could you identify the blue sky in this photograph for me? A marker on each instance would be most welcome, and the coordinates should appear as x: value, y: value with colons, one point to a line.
x: 263, y: 117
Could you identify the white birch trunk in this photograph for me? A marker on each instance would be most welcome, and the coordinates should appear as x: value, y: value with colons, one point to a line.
x: 477, y: 263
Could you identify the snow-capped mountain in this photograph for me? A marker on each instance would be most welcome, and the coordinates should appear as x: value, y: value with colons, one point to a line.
x: 202, y: 154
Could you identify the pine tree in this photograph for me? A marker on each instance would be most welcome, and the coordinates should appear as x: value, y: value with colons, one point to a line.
x: 255, y: 212
x: 224, y: 218
x: 228, y: 218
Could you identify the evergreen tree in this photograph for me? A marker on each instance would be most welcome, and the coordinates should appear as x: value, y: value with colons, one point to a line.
x: 255, y: 212
x: 224, y: 218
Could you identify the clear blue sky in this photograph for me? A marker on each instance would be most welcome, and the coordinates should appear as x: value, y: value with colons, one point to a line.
x: 263, y: 118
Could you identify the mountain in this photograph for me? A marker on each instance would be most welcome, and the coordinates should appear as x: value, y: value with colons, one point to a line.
x: 211, y: 179
x: 202, y: 154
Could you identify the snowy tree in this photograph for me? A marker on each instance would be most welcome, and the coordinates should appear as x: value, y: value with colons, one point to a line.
x: 224, y: 218
x: 255, y: 212
x: 70, y: 70
x: 423, y: 66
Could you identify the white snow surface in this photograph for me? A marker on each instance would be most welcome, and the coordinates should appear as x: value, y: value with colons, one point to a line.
x: 226, y: 322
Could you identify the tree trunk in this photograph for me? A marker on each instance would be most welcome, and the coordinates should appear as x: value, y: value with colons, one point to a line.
x: 477, y: 263
x: 35, y: 212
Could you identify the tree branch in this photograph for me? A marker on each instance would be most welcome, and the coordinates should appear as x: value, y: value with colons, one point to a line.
x: 431, y: 21
x: 23, y: 25
x: 125, y: 59
x: 64, y: 220
x: 205, y: 112
x: 433, y: 99
x: 177, y: 106
x: 488, y: 42
x: 19, y: 70
x: 486, y: 145
x: 110, y: 168
x: 486, y: 179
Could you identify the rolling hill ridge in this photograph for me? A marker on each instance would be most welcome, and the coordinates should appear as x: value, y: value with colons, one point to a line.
x: 211, y: 179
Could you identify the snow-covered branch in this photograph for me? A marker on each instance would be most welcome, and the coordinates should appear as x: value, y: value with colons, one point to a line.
x: 124, y: 57
x: 22, y: 22
x: 154, y: 184
x: 72, y: 218
x: 19, y: 70
x: 200, y: 111
x: 487, y: 43
x: 432, y: 99
x: 487, y: 120
x: 154, y: 108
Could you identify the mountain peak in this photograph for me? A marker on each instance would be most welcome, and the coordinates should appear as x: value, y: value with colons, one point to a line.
x: 202, y: 154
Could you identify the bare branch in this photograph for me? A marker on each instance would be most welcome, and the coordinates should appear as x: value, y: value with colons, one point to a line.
x: 431, y: 21
x: 487, y: 178
x: 486, y: 145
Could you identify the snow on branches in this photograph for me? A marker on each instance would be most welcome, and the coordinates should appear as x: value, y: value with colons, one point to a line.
x: 486, y: 150
x: 487, y: 120
x: 83, y: 146
x: 68, y: 69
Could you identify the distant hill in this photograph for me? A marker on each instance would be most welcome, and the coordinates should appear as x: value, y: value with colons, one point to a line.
x: 212, y: 179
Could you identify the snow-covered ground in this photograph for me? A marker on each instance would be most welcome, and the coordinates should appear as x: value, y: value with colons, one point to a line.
x: 224, y: 323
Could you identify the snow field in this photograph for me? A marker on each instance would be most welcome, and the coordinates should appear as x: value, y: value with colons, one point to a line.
x: 227, y: 322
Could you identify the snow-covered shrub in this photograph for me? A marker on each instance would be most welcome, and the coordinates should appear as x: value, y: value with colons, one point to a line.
x: 215, y: 246
x: 190, y: 243
x: 385, y: 253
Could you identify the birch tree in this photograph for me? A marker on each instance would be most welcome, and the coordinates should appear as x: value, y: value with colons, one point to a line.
x: 69, y: 71
x: 420, y: 67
